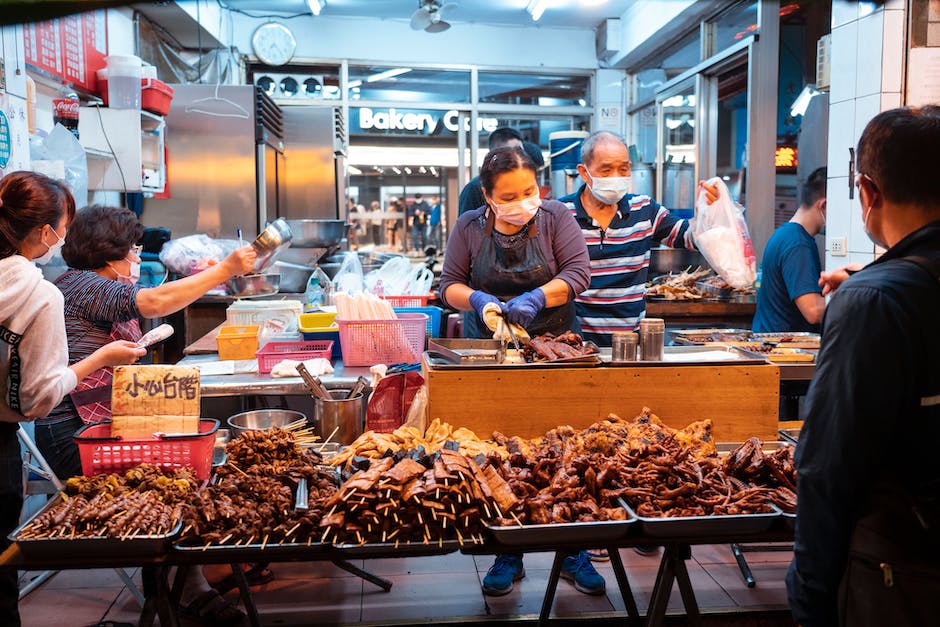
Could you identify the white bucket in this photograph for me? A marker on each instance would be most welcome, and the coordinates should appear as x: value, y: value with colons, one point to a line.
x: 124, y: 73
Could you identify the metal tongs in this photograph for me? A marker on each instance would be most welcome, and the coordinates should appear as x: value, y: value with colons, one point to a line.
x: 502, y: 329
x: 316, y: 386
x: 300, y: 503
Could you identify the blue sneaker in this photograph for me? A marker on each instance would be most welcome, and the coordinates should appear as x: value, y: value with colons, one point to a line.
x: 579, y: 570
x: 499, y: 578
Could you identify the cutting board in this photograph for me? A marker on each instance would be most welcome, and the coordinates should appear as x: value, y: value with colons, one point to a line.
x: 151, y: 399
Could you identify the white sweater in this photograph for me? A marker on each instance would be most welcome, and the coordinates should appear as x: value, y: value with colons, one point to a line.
x: 34, y: 353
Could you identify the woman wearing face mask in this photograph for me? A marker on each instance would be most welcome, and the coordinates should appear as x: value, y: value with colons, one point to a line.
x: 35, y: 374
x: 103, y: 303
x: 524, y: 255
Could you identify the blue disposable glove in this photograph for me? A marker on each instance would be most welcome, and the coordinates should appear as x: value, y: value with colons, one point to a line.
x: 522, y: 309
x: 479, y: 300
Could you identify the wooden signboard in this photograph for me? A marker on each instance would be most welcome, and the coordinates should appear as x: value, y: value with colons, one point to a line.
x: 154, y: 399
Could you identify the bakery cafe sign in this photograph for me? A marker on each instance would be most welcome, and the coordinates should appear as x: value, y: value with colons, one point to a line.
x: 391, y: 121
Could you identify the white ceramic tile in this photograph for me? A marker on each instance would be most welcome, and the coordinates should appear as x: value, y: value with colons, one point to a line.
x: 892, y: 51
x: 895, y: 5
x: 868, y: 61
x: 841, y: 137
x: 862, y: 258
x: 865, y: 109
x: 933, y: 34
x: 890, y: 100
x: 933, y: 11
x: 843, y: 67
x: 843, y: 11
x: 838, y: 206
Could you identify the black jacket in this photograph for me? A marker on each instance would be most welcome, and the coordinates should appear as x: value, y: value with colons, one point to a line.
x: 872, y: 416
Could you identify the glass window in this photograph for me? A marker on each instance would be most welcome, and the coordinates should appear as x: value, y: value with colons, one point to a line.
x: 546, y: 90
x: 405, y: 84
x: 732, y: 129
x: 734, y: 25
x: 644, y: 124
x: 678, y: 154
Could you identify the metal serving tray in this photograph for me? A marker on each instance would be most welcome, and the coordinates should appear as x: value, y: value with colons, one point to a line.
x: 686, y: 356
x: 792, y: 355
x: 381, y: 550
x: 273, y: 549
x: 455, y: 353
x: 92, y: 546
x: 791, y: 435
x: 587, y: 534
x: 703, y: 526
x: 769, y: 446
x: 684, y: 334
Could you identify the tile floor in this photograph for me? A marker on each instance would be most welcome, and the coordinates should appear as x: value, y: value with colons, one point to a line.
x: 426, y: 590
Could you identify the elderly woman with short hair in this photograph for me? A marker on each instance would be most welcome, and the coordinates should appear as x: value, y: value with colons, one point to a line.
x: 103, y: 303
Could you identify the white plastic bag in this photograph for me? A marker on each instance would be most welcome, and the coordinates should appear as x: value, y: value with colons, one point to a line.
x: 61, y: 156
x: 721, y: 235
x: 192, y: 253
x: 349, y: 276
x: 391, y: 279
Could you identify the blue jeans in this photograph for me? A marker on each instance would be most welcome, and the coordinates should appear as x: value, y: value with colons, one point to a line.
x: 54, y: 440
x: 11, y: 502
x: 418, y: 233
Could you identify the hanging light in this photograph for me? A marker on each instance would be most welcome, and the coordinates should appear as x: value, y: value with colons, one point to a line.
x: 316, y: 6
x: 536, y: 8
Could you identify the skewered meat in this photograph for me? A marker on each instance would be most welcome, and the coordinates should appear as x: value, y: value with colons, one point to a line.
x: 548, y: 347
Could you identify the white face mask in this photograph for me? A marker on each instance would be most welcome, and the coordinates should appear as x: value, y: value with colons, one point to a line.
x: 519, y: 212
x: 868, y: 232
x: 52, y: 251
x: 128, y: 279
x: 609, y: 189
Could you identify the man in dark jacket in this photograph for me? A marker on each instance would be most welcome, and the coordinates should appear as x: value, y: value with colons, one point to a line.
x: 867, y: 549
x: 471, y: 196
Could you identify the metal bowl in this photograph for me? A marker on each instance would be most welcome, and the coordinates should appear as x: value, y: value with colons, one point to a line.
x: 260, y: 419
x: 273, y: 240
x: 254, y: 285
x: 317, y: 233
x: 666, y: 260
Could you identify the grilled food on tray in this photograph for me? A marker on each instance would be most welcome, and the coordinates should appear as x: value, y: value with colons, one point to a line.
x: 143, y: 501
x: 775, y: 470
x: 548, y: 347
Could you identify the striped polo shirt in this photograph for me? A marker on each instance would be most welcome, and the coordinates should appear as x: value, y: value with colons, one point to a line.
x: 620, y: 259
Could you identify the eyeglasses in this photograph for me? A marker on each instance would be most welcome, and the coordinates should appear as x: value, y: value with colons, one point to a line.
x: 135, y: 251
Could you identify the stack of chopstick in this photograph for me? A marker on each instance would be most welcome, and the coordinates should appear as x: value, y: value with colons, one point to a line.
x: 363, y: 306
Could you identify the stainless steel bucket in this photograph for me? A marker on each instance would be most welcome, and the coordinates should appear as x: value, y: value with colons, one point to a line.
x: 347, y: 416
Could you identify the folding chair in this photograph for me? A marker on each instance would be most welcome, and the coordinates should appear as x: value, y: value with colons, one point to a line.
x: 39, y: 478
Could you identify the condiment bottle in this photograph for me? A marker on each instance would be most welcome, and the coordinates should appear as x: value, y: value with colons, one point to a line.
x: 652, y: 332
x: 623, y: 346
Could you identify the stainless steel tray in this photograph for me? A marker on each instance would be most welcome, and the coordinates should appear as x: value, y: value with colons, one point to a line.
x: 799, y: 356
x: 791, y: 435
x: 686, y: 526
x: 404, y: 549
x: 92, y: 546
x: 455, y: 353
x: 687, y: 332
x: 685, y: 356
x: 587, y: 534
x: 769, y: 446
x: 271, y: 548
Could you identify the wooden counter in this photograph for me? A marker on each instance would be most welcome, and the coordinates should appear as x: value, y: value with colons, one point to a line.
x: 741, y: 400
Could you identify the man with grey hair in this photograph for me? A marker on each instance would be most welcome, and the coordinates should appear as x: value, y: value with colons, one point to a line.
x: 619, y: 228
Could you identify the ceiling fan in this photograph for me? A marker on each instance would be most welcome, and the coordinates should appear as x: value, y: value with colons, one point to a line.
x: 430, y: 16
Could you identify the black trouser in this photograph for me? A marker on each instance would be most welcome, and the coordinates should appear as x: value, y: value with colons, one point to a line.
x: 57, y: 446
x: 11, y: 502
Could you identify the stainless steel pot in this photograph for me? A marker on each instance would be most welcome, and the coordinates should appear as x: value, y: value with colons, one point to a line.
x: 254, y: 285
x: 370, y: 261
x: 260, y: 419
x: 666, y: 260
x: 317, y: 233
x: 273, y: 240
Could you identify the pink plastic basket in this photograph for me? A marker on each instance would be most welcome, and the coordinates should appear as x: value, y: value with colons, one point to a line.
x: 370, y: 342
x: 101, y: 453
x: 273, y: 353
x: 410, y: 300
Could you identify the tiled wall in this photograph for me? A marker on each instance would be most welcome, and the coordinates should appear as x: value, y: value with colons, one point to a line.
x: 866, y: 66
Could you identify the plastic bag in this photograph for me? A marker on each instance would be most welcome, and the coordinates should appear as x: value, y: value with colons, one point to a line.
x: 61, y: 156
x: 721, y: 235
x: 193, y: 253
x: 391, y: 401
x: 391, y: 279
x: 421, y: 282
x: 349, y: 276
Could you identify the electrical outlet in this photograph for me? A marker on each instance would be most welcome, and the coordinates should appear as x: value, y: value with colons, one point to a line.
x: 837, y: 247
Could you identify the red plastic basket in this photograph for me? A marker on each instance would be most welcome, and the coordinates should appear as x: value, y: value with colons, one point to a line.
x: 370, y: 342
x: 101, y: 453
x: 273, y: 353
x: 411, y: 300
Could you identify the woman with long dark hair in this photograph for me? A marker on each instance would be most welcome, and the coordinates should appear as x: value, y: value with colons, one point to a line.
x: 35, y: 212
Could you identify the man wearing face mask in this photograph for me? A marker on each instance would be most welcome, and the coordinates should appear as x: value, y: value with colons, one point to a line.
x: 103, y: 303
x: 790, y: 298
x: 619, y: 228
x: 867, y: 544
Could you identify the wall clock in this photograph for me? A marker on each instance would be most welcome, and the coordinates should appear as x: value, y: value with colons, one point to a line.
x: 273, y: 43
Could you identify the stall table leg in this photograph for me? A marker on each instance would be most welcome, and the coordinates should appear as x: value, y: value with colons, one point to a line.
x: 245, y: 590
x: 672, y: 568
x: 385, y: 584
x: 622, y: 583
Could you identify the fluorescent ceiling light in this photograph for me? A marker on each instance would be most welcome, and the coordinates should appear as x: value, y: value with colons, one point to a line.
x: 316, y: 6
x: 381, y: 76
x: 802, y: 101
x: 536, y: 8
